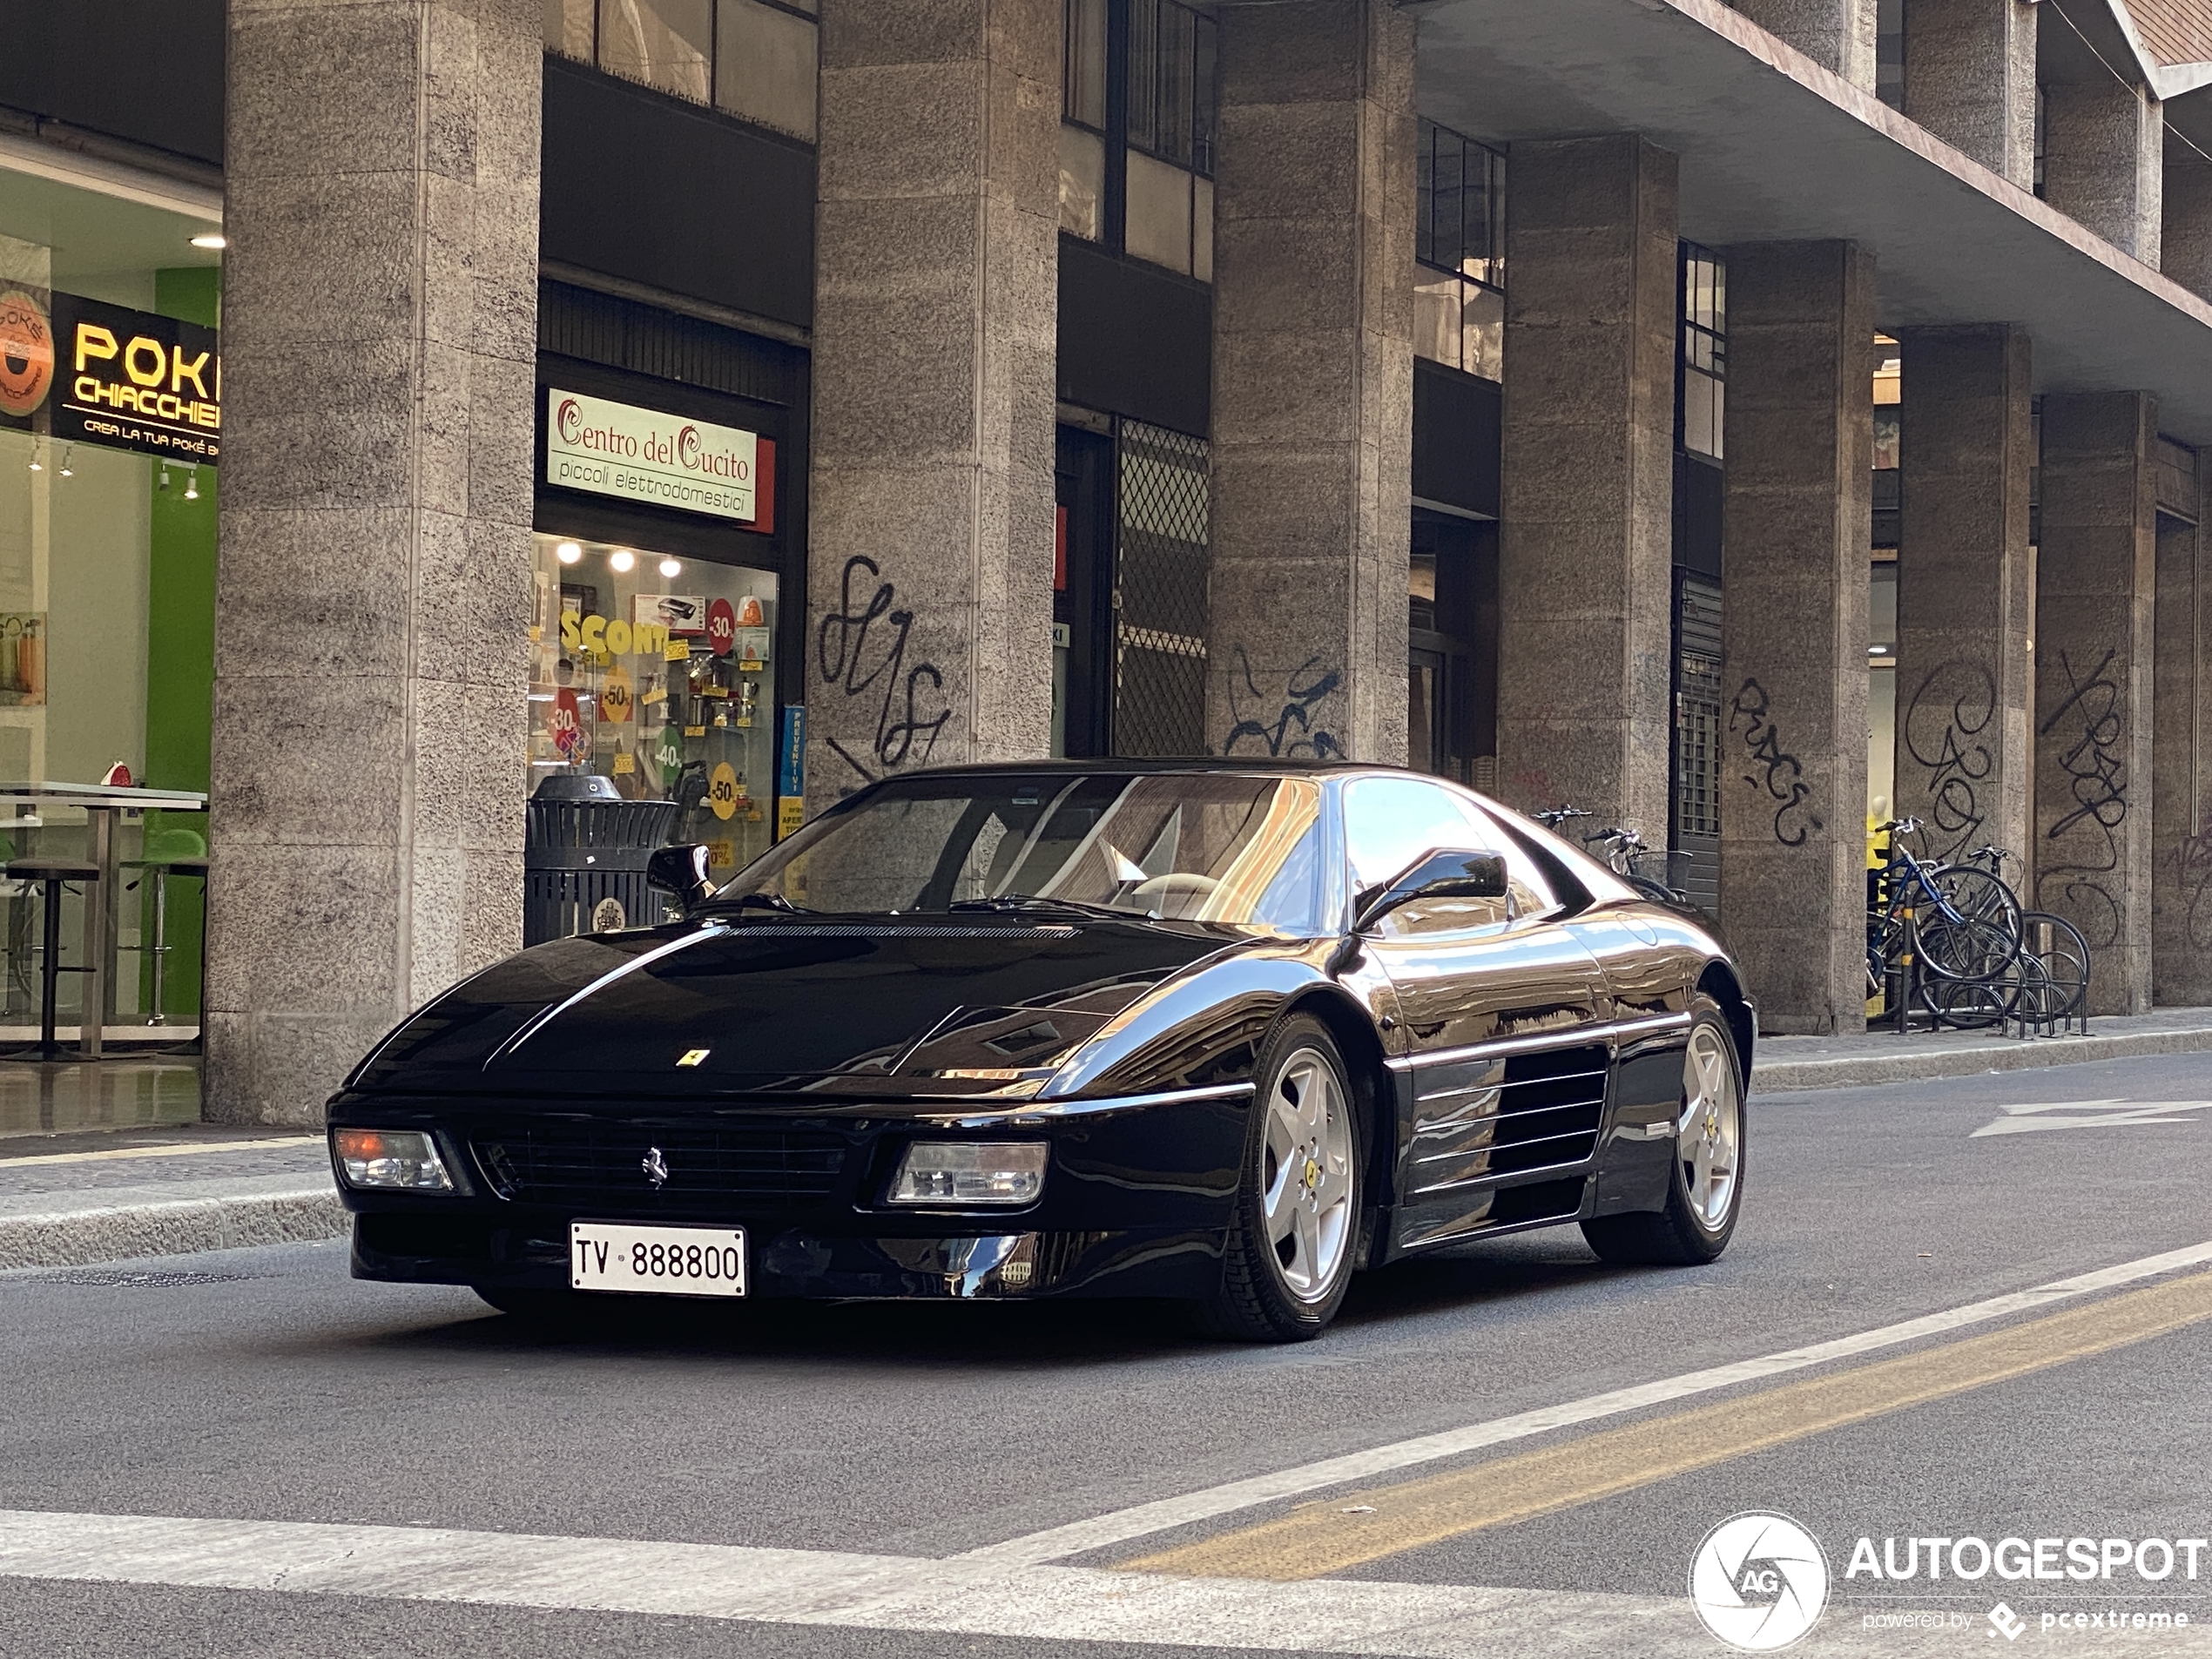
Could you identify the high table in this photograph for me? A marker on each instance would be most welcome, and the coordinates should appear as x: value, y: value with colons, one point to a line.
x: 104, y: 805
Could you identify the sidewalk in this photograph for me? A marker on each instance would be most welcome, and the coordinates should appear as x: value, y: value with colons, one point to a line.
x: 69, y: 1199
x: 1781, y: 1065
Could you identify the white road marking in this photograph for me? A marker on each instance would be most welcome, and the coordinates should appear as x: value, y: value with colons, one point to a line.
x: 1140, y: 1521
x: 828, y: 1589
x: 2068, y: 1114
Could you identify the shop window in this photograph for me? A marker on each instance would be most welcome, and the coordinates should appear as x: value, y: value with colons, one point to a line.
x: 755, y: 60
x: 1137, y: 135
x: 658, y: 673
x: 107, y: 566
x: 1701, y: 384
x: 1459, y: 239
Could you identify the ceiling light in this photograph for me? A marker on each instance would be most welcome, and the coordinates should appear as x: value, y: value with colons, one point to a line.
x: 67, y: 449
x: 36, y: 465
x: 191, y: 485
x: 672, y: 568
x: 210, y: 238
x: 622, y: 561
x: 568, y: 552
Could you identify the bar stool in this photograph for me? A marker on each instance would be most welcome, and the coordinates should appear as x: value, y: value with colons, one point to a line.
x: 53, y: 875
x: 168, y: 853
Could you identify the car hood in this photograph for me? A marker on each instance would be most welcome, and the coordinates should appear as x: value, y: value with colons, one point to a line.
x: 889, y: 1007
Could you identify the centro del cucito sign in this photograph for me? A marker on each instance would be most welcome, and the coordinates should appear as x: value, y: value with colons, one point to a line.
x: 610, y: 448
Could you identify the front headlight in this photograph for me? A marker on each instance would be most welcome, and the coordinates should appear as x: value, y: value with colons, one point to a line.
x: 970, y: 1172
x: 398, y: 1160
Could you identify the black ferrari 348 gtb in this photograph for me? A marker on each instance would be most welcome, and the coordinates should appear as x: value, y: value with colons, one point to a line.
x: 1210, y: 1030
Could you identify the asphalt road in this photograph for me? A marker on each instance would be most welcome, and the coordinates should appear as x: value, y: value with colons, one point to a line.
x: 828, y: 1460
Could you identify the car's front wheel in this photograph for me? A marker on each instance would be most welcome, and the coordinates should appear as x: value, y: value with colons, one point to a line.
x: 1296, y: 1227
x: 1705, y: 1187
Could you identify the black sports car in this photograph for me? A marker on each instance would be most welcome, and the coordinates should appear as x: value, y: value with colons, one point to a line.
x: 1210, y: 1030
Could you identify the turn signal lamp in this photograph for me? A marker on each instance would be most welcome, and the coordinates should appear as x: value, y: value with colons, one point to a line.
x: 402, y: 1160
x: 970, y: 1172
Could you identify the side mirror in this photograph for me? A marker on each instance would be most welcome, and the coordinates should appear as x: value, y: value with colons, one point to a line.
x: 1457, y: 874
x: 681, y: 871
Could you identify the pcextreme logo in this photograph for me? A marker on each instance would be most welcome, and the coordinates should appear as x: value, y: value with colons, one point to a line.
x: 1759, y: 1582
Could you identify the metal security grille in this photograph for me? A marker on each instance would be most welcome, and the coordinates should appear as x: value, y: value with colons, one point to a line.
x: 1160, y: 594
x: 1697, y: 829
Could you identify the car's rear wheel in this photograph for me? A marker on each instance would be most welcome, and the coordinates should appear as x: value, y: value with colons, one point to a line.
x: 1296, y: 1229
x: 1705, y: 1185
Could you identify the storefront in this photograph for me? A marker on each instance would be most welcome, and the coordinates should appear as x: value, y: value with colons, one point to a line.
x: 110, y: 433
x: 667, y: 521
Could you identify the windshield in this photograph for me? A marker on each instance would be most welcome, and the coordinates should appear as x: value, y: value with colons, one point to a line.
x: 1243, y: 850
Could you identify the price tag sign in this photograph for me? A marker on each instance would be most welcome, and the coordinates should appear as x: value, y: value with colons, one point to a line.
x: 569, y: 739
x: 616, y: 701
x: 722, y: 792
x: 721, y: 628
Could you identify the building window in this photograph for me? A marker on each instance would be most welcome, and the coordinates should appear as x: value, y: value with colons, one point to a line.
x: 755, y: 60
x: 1889, y: 53
x: 1888, y: 494
x: 1701, y: 409
x: 1137, y: 132
x: 1459, y: 294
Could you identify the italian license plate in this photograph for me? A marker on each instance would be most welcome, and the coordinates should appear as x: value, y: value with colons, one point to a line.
x: 656, y: 1261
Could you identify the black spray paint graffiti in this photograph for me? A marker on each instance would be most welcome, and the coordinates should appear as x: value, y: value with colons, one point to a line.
x: 1952, y: 708
x: 2194, y: 859
x: 2097, y: 767
x: 841, y: 649
x: 1773, y: 768
x: 1304, y: 689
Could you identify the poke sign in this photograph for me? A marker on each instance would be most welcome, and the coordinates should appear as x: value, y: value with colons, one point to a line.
x: 569, y: 740
x: 721, y: 627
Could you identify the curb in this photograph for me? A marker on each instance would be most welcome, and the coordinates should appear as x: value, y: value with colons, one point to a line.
x: 177, y: 1227
x: 1855, y: 1071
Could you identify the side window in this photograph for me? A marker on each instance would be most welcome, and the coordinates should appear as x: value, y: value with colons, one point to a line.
x: 1532, y: 889
x: 1389, y: 822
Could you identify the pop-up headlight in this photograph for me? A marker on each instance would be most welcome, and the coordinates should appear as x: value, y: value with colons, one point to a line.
x: 400, y: 1160
x: 970, y: 1172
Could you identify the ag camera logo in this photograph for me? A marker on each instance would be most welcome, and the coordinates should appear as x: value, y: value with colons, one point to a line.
x: 1759, y: 1582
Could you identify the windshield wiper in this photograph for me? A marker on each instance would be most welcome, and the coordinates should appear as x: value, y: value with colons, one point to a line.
x: 1014, y: 903
x: 762, y: 902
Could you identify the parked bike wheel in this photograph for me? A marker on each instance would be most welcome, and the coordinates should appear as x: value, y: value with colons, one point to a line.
x: 1975, y: 932
x: 2056, y: 945
x: 1977, y: 1004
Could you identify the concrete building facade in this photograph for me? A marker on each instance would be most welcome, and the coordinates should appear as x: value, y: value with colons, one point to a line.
x: 1737, y: 421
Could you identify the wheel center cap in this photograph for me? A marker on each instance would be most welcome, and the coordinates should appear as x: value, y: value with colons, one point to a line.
x: 1311, y: 1176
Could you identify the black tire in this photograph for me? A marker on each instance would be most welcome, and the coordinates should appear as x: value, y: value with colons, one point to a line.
x: 1981, y: 941
x: 1261, y: 1296
x: 1680, y: 1235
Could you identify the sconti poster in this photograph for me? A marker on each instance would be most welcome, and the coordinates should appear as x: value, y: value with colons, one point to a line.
x: 612, y: 449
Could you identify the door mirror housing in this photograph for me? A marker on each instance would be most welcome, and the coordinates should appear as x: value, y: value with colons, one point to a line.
x: 1452, y: 873
x: 681, y: 871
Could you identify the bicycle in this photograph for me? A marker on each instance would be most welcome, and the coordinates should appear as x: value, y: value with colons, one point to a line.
x: 2053, y: 956
x: 1965, y: 922
x: 1620, y: 848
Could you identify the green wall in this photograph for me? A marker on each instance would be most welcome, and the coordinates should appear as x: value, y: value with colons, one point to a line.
x: 181, y: 663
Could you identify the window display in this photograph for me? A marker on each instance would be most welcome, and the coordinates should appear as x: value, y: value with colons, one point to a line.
x: 656, y: 672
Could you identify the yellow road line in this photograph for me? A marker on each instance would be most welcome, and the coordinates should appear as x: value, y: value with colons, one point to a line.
x: 7, y: 1163
x: 1347, y: 1531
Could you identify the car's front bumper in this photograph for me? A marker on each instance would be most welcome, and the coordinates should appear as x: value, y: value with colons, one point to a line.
x: 1136, y: 1199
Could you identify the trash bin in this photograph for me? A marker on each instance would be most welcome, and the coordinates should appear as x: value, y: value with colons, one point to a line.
x: 584, y: 858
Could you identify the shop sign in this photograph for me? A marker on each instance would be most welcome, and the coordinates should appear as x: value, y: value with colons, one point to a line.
x: 26, y: 353
x: 610, y: 448
x: 132, y: 380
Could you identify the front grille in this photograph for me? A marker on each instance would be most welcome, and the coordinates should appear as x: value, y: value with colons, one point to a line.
x: 605, y: 1165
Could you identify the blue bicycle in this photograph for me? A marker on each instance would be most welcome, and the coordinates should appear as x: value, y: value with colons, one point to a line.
x: 1962, y: 921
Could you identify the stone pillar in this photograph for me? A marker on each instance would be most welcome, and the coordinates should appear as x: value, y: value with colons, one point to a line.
x: 379, y: 343
x: 1963, y: 755
x: 1313, y: 381
x: 1838, y: 35
x: 2094, y: 585
x: 1793, y: 628
x: 937, y: 253
x: 2185, y: 236
x: 2103, y: 161
x: 1587, y: 534
x: 1970, y: 79
x: 2181, y: 911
